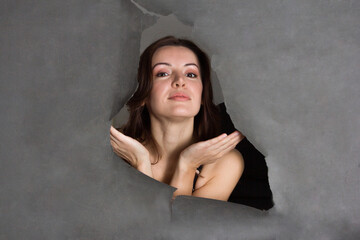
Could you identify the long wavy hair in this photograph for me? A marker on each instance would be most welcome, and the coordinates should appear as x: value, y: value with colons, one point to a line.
x: 206, y: 122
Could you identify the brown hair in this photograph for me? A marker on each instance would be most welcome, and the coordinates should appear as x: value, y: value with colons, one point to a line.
x: 206, y: 123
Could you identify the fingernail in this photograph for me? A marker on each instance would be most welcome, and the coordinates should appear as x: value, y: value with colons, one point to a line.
x: 224, y: 135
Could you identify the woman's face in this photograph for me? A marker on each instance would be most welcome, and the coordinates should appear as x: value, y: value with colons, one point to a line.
x: 177, y: 86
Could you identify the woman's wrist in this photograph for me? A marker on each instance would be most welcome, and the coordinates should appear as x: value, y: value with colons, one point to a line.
x: 142, y: 159
x: 145, y: 168
x: 185, y: 165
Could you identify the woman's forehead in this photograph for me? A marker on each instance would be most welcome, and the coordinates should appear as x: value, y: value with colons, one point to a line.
x: 175, y: 54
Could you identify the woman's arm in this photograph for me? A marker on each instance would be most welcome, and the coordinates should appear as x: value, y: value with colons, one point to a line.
x: 221, y: 177
x: 183, y: 179
x: 146, y: 169
x: 131, y: 150
x: 216, y: 153
x: 218, y: 179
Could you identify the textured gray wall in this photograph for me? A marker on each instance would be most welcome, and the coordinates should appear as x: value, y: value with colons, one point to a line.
x: 289, y: 71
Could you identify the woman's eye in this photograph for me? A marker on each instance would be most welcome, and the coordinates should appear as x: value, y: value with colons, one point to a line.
x: 161, y: 74
x: 191, y: 75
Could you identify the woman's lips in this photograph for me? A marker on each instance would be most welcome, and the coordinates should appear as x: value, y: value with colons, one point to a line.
x: 179, y: 97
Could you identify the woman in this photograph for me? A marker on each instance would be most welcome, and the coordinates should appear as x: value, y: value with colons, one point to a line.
x: 173, y: 128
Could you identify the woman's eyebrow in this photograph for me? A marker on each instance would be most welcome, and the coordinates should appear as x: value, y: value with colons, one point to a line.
x: 168, y: 64
x: 164, y: 63
x: 189, y: 64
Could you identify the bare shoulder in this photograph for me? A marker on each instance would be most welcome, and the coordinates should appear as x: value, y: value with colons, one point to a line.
x: 231, y: 163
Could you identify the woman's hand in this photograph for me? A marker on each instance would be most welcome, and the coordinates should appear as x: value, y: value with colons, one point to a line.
x: 129, y: 149
x: 209, y: 151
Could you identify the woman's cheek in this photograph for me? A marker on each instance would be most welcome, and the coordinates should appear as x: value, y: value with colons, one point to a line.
x: 159, y: 91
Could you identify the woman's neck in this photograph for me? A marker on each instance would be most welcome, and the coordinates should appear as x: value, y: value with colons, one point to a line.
x: 172, y: 136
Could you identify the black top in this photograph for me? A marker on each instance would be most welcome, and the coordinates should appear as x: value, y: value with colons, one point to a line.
x: 196, y: 176
x: 253, y: 188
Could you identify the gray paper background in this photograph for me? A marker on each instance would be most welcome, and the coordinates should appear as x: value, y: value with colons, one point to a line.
x: 289, y: 73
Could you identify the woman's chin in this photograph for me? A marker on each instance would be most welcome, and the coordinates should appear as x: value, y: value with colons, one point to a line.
x: 181, y: 116
x: 184, y: 112
x: 177, y: 114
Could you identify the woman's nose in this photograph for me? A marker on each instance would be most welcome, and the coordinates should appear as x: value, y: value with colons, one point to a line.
x: 178, y: 82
